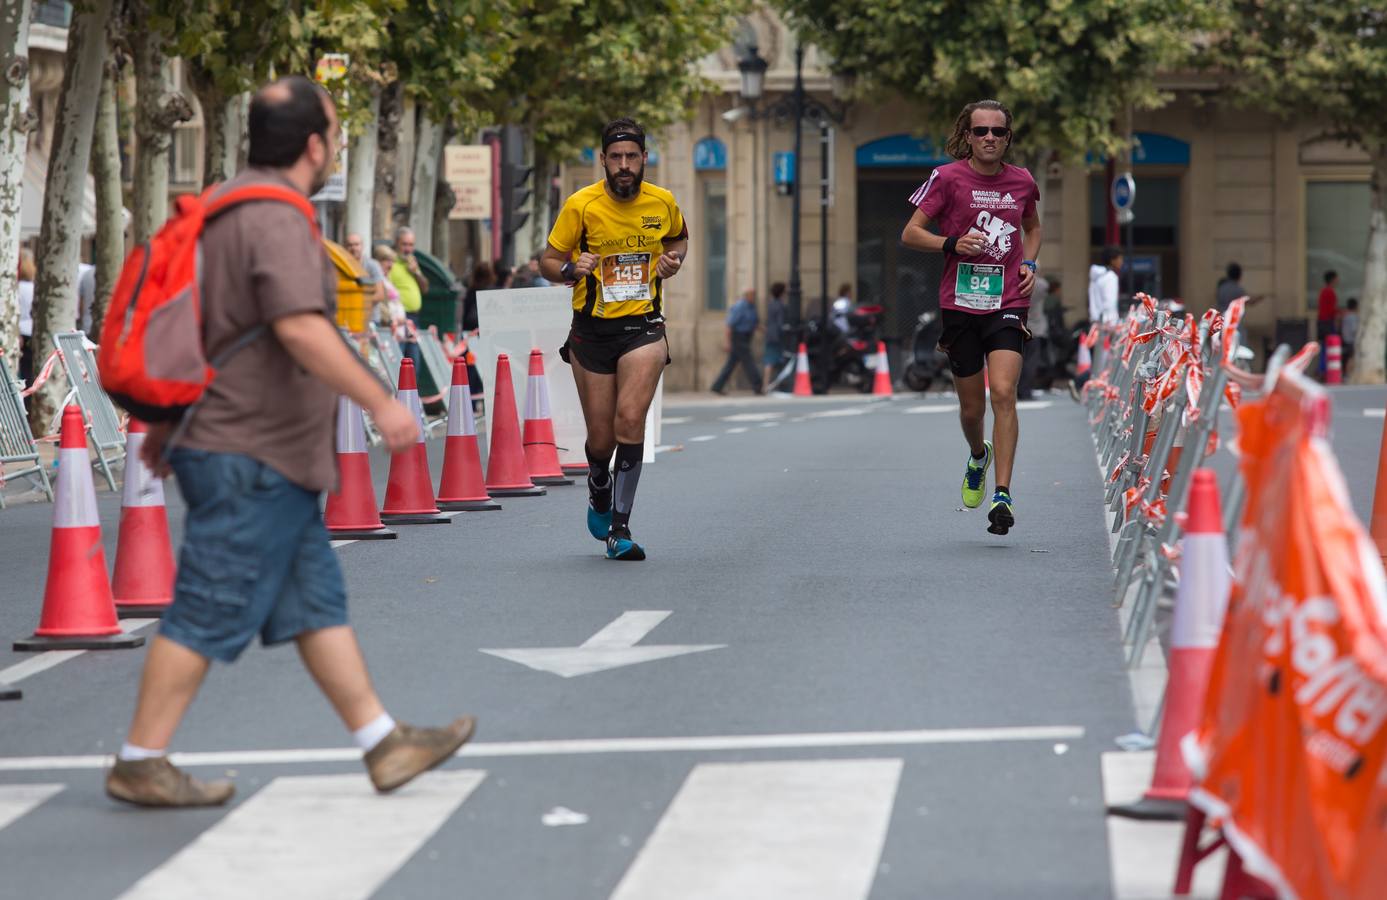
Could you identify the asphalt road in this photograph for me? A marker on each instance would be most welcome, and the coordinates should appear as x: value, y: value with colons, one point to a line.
x: 884, y: 701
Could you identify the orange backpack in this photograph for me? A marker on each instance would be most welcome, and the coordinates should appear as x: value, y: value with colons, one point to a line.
x: 151, y: 359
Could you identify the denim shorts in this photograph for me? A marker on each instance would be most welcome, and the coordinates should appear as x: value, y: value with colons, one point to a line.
x: 256, y: 558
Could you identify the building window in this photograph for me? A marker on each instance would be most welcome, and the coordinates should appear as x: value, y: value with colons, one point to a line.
x: 183, y: 154
x: 1336, y: 228
x: 713, y: 240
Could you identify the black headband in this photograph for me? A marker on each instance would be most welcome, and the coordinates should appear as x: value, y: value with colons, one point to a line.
x: 620, y: 136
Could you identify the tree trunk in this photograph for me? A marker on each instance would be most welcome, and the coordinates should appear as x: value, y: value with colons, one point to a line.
x: 387, y: 144
x: 217, y: 108
x: 157, y: 109
x: 428, y: 150
x: 55, y: 290
x: 1370, y: 351
x: 442, y: 225
x: 361, y: 174
x: 544, y: 187
x: 16, y: 121
x: 239, y: 112
x: 109, y: 250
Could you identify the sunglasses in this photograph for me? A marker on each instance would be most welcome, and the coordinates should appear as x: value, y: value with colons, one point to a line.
x: 997, y: 131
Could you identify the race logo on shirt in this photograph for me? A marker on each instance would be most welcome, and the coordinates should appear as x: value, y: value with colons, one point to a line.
x: 998, y: 233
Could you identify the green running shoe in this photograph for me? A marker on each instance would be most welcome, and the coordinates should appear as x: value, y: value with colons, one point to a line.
x: 1000, y: 514
x: 975, y: 477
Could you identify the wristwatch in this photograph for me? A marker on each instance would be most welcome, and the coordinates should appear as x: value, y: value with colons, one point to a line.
x: 1030, y: 263
x: 566, y: 270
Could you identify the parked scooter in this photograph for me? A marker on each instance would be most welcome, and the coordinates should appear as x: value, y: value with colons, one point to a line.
x: 927, y: 363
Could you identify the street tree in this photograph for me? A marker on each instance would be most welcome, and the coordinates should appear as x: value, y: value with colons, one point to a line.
x: 16, y: 121
x: 108, y: 246
x: 158, y: 108
x: 60, y: 236
x: 1327, y: 60
x: 1071, y: 72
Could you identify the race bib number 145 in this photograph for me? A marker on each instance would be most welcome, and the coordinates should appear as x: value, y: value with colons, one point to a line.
x: 625, y: 276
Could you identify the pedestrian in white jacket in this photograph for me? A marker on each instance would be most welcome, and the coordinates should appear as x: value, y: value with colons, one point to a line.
x: 1102, y: 287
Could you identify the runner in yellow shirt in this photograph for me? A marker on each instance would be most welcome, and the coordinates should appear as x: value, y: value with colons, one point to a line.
x: 616, y: 241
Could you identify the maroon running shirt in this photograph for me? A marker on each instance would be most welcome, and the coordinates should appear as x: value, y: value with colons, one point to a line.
x: 963, y: 202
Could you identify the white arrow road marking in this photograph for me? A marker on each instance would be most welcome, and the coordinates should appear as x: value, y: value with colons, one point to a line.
x: 18, y: 799
x: 769, y: 830
x: 311, y: 836
x: 611, y: 648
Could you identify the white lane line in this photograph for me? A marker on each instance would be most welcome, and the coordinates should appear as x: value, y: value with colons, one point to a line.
x: 703, y: 437
x: 665, y: 448
x: 838, y: 413
x: 50, y: 658
x: 583, y: 746
x: 1374, y: 413
x: 770, y: 424
x: 18, y: 799
x: 769, y: 830
x: 328, y: 836
x: 1143, y: 855
x: 740, y: 429
x: 342, y: 543
x: 752, y: 417
x: 933, y: 408
x: 1034, y: 404
x: 676, y: 420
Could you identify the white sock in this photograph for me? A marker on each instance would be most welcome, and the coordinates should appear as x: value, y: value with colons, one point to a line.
x: 131, y: 753
x: 373, y: 732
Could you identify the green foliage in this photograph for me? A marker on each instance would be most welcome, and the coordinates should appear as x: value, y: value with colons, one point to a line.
x: 1290, y: 57
x: 1068, y: 69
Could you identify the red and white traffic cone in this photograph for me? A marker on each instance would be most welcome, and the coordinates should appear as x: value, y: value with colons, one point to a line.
x: 1333, y: 360
x: 881, y: 384
x: 507, y: 473
x: 143, y: 580
x: 1085, y: 362
x: 79, y: 612
x: 541, y: 453
x: 351, y: 513
x: 463, y: 486
x: 409, y: 496
x: 1194, y: 632
x: 802, y: 386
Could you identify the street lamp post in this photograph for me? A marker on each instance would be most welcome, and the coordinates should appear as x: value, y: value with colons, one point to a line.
x: 796, y: 107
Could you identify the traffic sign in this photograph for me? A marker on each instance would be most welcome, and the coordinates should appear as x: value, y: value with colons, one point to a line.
x: 1124, y: 191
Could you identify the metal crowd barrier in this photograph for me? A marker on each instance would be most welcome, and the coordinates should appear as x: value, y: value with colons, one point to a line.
x: 97, y: 408
x: 17, y: 444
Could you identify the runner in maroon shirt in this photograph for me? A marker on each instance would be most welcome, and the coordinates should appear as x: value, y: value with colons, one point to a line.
x: 989, y: 232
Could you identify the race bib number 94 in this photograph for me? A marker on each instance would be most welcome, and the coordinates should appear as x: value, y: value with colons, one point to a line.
x: 979, y: 286
x: 625, y: 276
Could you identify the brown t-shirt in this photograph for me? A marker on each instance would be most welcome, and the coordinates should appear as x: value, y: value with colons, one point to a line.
x: 261, y: 263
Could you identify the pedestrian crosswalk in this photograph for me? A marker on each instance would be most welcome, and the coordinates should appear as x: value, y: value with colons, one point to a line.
x: 771, y: 830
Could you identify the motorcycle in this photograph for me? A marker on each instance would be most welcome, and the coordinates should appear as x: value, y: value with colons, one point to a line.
x: 927, y: 363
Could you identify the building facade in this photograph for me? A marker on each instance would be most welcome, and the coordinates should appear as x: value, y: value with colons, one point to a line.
x: 1214, y: 185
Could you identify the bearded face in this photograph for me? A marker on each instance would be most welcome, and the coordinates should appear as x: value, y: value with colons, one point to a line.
x: 624, y: 163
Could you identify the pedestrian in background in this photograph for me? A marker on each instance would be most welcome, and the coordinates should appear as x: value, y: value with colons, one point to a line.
x: 504, y: 275
x: 393, y: 313
x: 1327, y: 314
x: 375, y: 275
x: 409, y: 280
x: 27, y: 271
x: 774, y: 352
x: 1102, y: 287
x: 742, y: 323
x: 253, y: 464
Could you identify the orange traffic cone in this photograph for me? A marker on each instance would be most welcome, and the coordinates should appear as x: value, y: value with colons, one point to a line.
x: 79, y: 612
x: 802, y: 386
x: 541, y: 453
x: 351, y: 513
x: 143, y: 580
x: 409, y: 492
x: 1194, y: 633
x: 463, y: 487
x: 507, y: 474
x: 881, y: 384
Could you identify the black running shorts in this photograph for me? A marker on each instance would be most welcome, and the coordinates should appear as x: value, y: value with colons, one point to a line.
x: 599, y: 343
x: 967, y: 338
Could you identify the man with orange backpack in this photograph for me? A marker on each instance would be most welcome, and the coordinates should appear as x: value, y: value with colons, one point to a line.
x: 255, y: 452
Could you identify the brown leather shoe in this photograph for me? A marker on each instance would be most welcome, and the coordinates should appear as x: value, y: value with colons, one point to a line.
x: 158, y: 782
x: 408, y: 751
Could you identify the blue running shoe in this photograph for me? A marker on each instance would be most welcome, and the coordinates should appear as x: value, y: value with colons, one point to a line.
x: 599, y: 523
x: 620, y: 546
x: 1000, y: 515
x: 975, y: 477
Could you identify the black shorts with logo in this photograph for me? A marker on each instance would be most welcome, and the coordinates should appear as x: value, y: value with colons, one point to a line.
x: 599, y: 343
x: 967, y: 338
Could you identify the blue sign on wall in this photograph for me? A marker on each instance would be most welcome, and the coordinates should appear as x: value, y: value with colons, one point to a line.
x: 710, y: 155
x: 785, y: 168
x: 1159, y: 150
x: 901, y: 151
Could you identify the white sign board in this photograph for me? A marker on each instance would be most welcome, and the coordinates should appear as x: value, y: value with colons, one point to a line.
x: 515, y: 321
x: 468, y: 170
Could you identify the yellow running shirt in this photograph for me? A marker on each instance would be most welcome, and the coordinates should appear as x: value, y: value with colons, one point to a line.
x: 629, y: 236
